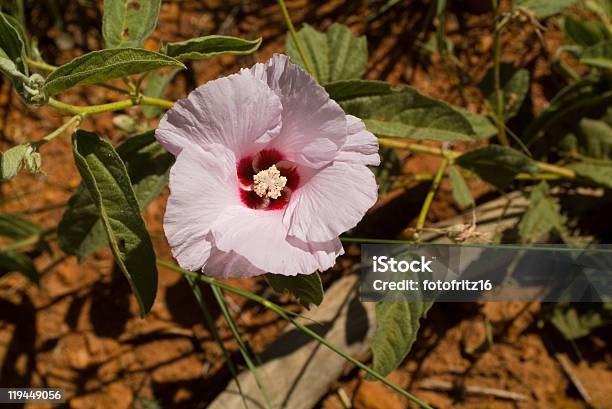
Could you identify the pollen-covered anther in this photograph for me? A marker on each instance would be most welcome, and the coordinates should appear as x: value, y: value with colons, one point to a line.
x: 269, y: 183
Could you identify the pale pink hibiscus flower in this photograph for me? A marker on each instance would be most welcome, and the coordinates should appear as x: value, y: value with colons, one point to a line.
x: 269, y: 172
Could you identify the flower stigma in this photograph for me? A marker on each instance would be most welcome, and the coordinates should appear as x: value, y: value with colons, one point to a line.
x: 269, y: 183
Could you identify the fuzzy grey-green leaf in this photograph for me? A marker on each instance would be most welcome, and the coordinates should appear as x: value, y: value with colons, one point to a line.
x: 12, y: 43
x: 80, y: 231
x: 402, y: 112
x: 156, y: 86
x: 334, y: 55
x: 106, y: 179
x: 496, y: 164
x: 99, y: 66
x: 598, y: 173
x: 461, y: 191
x: 308, y: 289
x: 599, y: 55
x: 542, y: 216
x: 514, y: 87
x: 396, y: 330
x: 128, y: 23
x: 210, y: 46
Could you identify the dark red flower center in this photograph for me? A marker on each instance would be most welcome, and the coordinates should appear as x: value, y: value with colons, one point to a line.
x: 267, y: 180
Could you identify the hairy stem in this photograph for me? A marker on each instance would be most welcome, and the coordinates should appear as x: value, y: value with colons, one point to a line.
x: 499, y: 95
x: 218, y: 293
x: 560, y: 171
x: 296, y: 41
x: 210, y: 323
x: 111, y: 106
x: 430, y: 194
x: 75, y: 120
x: 41, y: 65
x: 287, y: 316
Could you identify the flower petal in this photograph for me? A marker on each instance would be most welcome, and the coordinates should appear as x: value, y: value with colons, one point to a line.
x: 202, y: 184
x: 223, y: 264
x: 332, y: 201
x: 361, y: 145
x: 260, y: 237
x: 314, y: 125
x: 237, y: 111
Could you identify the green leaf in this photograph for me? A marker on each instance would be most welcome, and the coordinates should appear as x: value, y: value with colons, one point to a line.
x: 107, y: 181
x: 400, y: 112
x: 543, y: 8
x: 598, y: 173
x: 599, y: 55
x: 594, y: 138
x: 15, y: 158
x: 584, y: 33
x: 308, y: 289
x: 210, y: 46
x: 566, y: 103
x: 17, y: 228
x: 496, y: 164
x: 348, y: 55
x: 396, y: 330
x: 21, y: 31
x: 334, y: 55
x: 542, y: 216
x: 81, y: 231
x: 103, y: 65
x: 128, y: 23
x: 481, y: 125
x: 14, y: 261
x: 156, y: 86
x: 461, y: 191
x: 12, y: 44
x: 514, y: 86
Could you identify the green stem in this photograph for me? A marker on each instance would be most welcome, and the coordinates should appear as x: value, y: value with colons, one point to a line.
x: 75, y: 120
x: 499, y: 96
x: 218, y: 293
x: 286, y: 315
x: 111, y: 106
x: 565, y: 173
x: 430, y: 194
x: 28, y: 241
x: 296, y: 41
x: 210, y: 323
x: 41, y: 65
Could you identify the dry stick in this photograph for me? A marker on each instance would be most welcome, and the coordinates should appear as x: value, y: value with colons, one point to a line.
x: 445, y: 386
x: 567, y: 369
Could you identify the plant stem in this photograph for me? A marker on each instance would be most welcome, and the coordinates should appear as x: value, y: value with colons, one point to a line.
x: 210, y: 323
x: 218, y: 293
x: 296, y: 41
x: 286, y: 315
x: 560, y: 171
x: 430, y: 194
x: 41, y: 65
x: 111, y: 106
x: 499, y: 95
x: 75, y: 120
